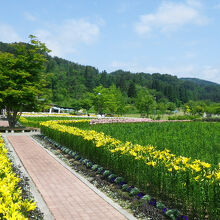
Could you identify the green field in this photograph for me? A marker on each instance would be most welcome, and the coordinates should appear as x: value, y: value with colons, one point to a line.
x: 197, y: 140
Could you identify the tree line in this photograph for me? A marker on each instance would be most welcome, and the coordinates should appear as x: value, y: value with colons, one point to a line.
x: 70, y: 80
x: 30, y: 79
x: 72, y: 84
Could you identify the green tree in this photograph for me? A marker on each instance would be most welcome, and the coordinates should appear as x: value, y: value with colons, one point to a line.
x: 22, y: 82
x: 190, y: 107
x: 76, y: 105
x: 196, y: 107
x: 217, y: 109
x: 161, y: 107
x: 114, y: 101
x: 171, y: 106
x: 86, y: 104
x: 145, y: 101
x: 98, y: 98
x: 200, y: 108
x: 132, y: 90
x: 108, y: 100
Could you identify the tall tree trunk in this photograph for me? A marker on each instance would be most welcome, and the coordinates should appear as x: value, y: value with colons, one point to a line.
x: 12, y: 117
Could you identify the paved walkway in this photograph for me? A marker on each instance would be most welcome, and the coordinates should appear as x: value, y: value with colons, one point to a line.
x: 3, y: 123
x: 65, y: 195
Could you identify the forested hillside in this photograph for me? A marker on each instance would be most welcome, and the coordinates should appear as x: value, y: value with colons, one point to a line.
x: 71, y: 81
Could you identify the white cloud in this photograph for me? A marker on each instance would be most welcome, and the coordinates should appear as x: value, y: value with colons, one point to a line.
x: 192, y: 71
x: 211, y: 73
x: 8, y: 34
x: 205, y: 72
x: 171, y: 16
x: 63, y: 39
x: 29, y: 16
x: 124, y: 65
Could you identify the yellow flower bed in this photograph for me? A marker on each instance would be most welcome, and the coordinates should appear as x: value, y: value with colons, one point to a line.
x: 12, y: 205
x: 23, y: 120
x: 201, y: 171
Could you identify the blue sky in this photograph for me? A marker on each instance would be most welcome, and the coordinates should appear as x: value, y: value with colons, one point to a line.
x: 177, y: 37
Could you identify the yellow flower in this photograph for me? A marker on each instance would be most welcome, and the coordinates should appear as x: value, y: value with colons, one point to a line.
x: 151, y: 163
x: 133, y: 153
x: 185, y: 160
x: 206, y: 165
x: 217, y: 175
x: 196, y: 167
x: 209, y: 176
x: 176, y: 167
x: 197, y: 177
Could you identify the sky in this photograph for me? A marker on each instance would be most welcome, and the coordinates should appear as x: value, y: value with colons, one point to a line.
x: 177, y: 37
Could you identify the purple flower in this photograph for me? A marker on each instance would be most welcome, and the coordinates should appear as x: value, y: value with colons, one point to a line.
x: 130, y: 188
x: 113, y: 179
x: 122, y: 183
x: 140, y: 195
x: 164, y: 210
x: 153, y: 202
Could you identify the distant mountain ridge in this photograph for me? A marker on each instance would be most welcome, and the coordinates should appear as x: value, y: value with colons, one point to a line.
x: 71, y: 81
x: 200, y: 81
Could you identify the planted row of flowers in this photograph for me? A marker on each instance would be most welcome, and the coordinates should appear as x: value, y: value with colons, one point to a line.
x: 127, y: 120
x: 192, y: 184
x: 12, y: 204
x: 35, y: 120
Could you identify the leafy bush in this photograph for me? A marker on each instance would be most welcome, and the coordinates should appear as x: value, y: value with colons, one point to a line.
x: 183, y: 117
x: 209, y: 119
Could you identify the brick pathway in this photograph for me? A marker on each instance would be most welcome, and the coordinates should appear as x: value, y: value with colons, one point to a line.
x: 3, y: 123
x: 66, y: 196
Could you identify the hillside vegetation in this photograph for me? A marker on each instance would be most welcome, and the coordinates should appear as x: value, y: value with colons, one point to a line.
x: 70, y: 81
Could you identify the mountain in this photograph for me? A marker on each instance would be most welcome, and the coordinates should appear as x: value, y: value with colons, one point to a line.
x: 69, y: 81
x: 200, y: 81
